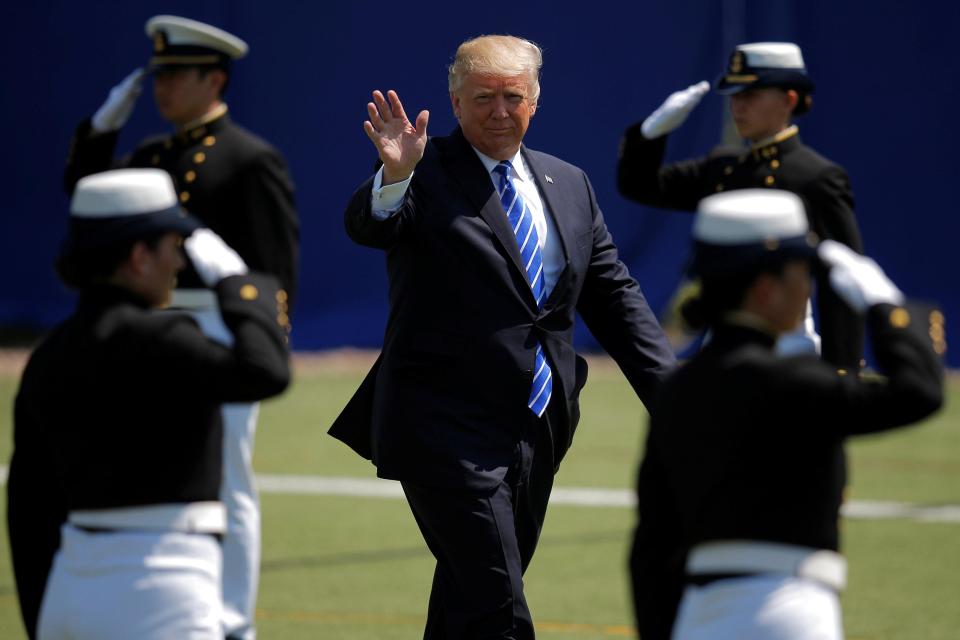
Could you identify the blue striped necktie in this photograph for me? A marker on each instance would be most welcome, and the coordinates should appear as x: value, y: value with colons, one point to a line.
x: 529, y: 241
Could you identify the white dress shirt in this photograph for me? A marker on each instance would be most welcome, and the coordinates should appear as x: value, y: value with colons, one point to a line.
x: 386, y: 200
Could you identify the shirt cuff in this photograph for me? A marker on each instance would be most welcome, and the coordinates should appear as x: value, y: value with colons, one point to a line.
x: 386, y: 200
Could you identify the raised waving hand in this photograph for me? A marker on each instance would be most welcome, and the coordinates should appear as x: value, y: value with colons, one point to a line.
x: 399, y: 142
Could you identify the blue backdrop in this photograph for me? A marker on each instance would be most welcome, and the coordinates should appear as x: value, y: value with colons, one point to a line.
x: 887, y: 90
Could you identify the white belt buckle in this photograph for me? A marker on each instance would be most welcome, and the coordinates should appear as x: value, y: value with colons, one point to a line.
x: 757, y: 557
x: 826, y: 567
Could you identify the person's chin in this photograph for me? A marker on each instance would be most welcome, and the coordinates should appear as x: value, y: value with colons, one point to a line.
x: 164, y: 300
x: 166, y: 113
x: 501, y: 147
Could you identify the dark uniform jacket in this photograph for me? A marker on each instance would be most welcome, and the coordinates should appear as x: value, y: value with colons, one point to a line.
x: 120, y: 406
x: 748, y: 445
x: 784, y: 163
x: 442, y: 404
x: 233, y: 181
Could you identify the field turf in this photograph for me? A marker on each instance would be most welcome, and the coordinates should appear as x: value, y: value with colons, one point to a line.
x: 352, y: 567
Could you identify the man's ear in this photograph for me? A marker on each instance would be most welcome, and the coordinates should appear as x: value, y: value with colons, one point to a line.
x: 792, y: 99
x: 217, y: 79
x: 139, y: 259
x: 455, y: 103
x: 762, y: 290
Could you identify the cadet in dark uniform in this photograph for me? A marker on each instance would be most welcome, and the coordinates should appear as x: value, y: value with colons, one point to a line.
x: 238, y: 185
x: 231, y: 180
x: 117, y: 429
x: 744, y: 471
x: 769, y: 85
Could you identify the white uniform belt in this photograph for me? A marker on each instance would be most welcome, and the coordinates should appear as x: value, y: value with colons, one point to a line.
x: 190, y: 517
x: 196, y: 299
x: 750, y: 556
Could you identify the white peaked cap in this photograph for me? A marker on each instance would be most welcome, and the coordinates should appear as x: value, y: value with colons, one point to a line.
x: 182, y: 32
x: 123, y: 192
x: 773, y: 55
x: 121, y: 206
x: 747, y: 216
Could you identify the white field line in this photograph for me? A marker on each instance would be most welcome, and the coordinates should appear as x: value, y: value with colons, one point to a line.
x: 580, y: 496
x: 571, y: 496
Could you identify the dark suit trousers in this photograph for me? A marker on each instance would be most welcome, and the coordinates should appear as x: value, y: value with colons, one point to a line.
x: 483, y: 542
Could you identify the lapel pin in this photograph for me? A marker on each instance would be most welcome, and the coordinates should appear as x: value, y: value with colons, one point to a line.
x: 548, y: 178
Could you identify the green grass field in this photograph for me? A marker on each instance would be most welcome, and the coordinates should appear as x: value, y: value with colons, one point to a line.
x: 351, y: 568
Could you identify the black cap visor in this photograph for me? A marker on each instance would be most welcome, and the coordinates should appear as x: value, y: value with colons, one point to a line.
x: 92, y: 234
x: 718, y: 260
x: 731, y: 83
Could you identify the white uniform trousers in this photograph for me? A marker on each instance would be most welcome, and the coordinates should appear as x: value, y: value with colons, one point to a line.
x: 763, y: 607
x: 126, y: 584
x: 238, y: 492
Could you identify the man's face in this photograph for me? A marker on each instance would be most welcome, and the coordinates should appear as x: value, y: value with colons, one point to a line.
x: 161, y: 265
x: 182, y: 94
x: 761, y: 113
x: 494, y: 113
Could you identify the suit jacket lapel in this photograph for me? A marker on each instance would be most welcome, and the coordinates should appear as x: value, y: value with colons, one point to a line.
x: 468, y: 171
x: 551, y: 198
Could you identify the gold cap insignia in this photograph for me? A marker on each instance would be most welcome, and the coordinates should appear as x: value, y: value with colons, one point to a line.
x: 736, y: 62
x: 159, y: 42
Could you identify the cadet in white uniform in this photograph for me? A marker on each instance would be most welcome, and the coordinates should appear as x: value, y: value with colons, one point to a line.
x: 744, y: 471
x: 235, y: 183
x: 118, y: 433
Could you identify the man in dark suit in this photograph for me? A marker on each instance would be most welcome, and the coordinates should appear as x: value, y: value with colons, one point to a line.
x: 491, y: 250
x: 769, y: 86
x: 237, y: 184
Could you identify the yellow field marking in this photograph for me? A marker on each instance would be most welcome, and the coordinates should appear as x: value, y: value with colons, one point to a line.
x: 621, y: 631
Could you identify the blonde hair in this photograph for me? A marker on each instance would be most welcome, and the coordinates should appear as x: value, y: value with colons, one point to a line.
x: 505, y: 56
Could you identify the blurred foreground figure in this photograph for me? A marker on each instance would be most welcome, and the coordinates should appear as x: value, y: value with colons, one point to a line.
x: 743, y: 476
x: 768, y: 86
x: 117, y: 427
x: 235, y: 183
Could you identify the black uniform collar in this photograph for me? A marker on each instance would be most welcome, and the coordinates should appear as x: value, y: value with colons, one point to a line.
x: 107, y: 295
x: 736, y: 329
x: 776, y: 145
x: 205, y: 126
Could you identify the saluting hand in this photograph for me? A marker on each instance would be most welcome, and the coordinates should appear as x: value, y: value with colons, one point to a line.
x: 212, y: 258
x: 399, y: 143
x: 674, y: 110
x: 115, y: 112
x: 857, y: 279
